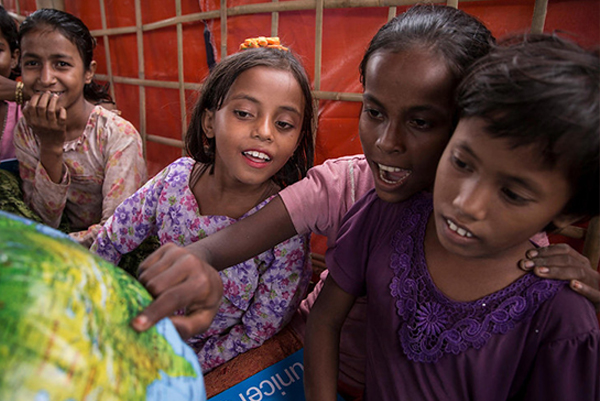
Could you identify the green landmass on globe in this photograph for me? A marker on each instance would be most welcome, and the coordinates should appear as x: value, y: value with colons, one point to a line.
x: 64, y: 326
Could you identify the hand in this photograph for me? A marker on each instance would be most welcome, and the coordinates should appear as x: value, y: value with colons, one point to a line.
x: 178, y: 279
x: 562, y: 262
x: 46, y: 119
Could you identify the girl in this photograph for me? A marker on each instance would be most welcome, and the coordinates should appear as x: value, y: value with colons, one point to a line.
x: 9, y: 58
x: 403, y: 106
x: 450, y: 315
x: 250, y: 135
x: 75, y: 158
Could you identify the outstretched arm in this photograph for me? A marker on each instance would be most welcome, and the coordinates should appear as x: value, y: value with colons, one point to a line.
x: 562, y: 262
x: 184, y: 277
x: 249, y: 237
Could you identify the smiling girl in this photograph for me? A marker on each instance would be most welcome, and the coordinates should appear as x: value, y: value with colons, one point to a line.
x: 250, y: 135
x: 75, y: 159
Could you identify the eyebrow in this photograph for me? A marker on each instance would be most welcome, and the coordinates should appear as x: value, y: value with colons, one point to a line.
x: 370, y: 98
x: 252, y: 99
x: 52, y: 56
x: 520, y: 181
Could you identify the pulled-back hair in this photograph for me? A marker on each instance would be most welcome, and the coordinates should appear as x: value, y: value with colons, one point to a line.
x: 77, y: 33
x: 456, y: 36
x: 543, y: 90
x: 215, y: 90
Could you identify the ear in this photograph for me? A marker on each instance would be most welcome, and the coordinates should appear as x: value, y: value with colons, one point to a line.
x: 89, y: 73
x: 208, y: 123
x: 14, y: 59
x: 564, y: 220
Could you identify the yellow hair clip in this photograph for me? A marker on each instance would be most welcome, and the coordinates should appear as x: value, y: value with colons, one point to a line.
x: 262, y: 41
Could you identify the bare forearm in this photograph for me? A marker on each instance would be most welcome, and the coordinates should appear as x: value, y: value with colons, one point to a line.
x: 246, y: 238
x: 52, y: 160
x: 321, y: 346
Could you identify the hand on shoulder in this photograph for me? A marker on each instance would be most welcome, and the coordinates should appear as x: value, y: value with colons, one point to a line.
x: 561, y: 262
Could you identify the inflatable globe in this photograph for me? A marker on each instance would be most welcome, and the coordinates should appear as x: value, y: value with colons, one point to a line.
x: 64, y: 326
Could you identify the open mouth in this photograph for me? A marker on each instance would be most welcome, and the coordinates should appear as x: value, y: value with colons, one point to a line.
x: 256, y: 156
x: 392, y: 175
x: 459, y: 230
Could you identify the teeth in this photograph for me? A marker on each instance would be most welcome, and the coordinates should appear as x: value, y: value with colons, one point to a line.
x: 257, y: 155
x: 388, y: 168
x: 53, y: 92
x: 460, y: 231
x: 392, y: 175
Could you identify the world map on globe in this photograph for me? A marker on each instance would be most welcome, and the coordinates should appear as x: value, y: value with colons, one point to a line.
x: 65, y: 326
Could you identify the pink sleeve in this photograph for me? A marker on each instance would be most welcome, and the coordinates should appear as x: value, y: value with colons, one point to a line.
x: 318, y: 202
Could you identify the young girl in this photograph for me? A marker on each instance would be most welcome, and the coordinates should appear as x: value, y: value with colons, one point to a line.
x: 450, y: 315
x: 9, y: 58
x: 75, y: 158
x: 398, y: 104
x: 250, y: 135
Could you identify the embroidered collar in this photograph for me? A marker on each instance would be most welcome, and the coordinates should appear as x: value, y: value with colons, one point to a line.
x: 433, y: 325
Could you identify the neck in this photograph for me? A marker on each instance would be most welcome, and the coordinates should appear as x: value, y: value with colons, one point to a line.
x: 467, y: 279
x: 217, y: 197
x: 77, y: 117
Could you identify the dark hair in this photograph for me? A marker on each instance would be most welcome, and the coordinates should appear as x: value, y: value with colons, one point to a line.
x: 543, y: 90
x: 78, y: 33
x: 11, y: 34
x: 215, y: 90
x: 9, y: 29
x: 453, y: 34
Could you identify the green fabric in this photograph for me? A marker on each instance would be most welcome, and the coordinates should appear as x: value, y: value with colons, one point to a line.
x: 11, y: 200
x: 131, y: 261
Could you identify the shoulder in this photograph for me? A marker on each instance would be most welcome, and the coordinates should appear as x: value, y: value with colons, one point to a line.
x: 344, y: 166
x: 567, y: 316
x: 106, y: 122
x: 180, y: 168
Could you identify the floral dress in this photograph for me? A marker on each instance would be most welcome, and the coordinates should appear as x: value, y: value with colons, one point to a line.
x: 260, y: 295
x: 103, y: 166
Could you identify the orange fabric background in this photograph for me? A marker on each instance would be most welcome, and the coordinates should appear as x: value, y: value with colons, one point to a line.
x: 346, y: 33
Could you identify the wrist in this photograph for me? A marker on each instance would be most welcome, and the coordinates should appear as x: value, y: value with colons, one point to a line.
x: 19, y: 93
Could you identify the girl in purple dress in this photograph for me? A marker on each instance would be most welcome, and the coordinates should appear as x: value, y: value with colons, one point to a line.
x: 251, y: 134
x: 450, y: 314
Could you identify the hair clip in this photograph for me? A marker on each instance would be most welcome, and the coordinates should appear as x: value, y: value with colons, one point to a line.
x: 262, y: 41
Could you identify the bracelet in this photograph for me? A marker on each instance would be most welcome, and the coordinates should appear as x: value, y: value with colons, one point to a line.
x: 19, y: 93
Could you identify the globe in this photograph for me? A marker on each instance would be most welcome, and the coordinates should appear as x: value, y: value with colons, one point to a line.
x: 64, y: 326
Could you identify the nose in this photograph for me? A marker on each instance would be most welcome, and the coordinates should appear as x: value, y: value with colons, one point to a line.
x: 47, y: 77
x: 473, y: 200
x: 391, y: 139
x: 263, y: 130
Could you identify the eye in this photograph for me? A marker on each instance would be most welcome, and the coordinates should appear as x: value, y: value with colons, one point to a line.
x: 420, y: 123
x: 242, y: 114
x: 284, y: 125
x: 459, y: 163
x: 30, y: 63
x: 63, y: 64
x: 373, y: 114
x: 514, y: 198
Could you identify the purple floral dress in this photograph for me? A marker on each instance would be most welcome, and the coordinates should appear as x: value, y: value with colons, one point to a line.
x: 259, y: 295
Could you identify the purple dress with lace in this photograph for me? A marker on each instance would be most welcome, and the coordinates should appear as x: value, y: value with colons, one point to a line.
x: 534, y: 340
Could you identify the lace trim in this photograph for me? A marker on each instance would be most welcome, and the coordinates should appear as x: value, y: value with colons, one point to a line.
x: 433, y: 325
